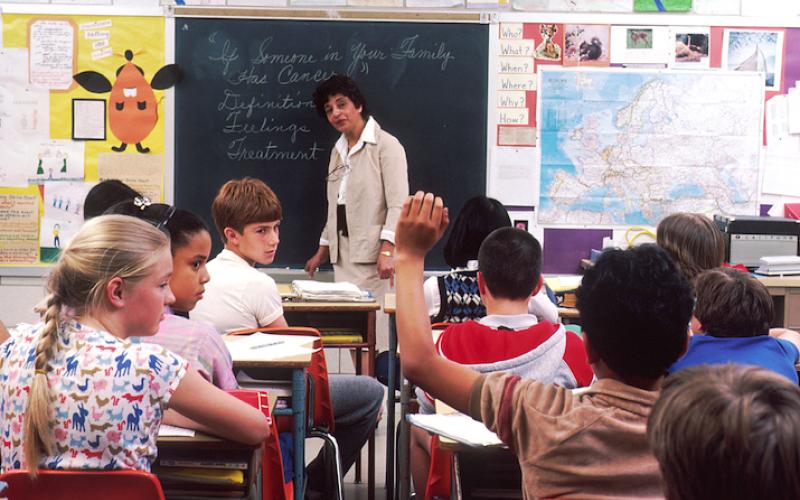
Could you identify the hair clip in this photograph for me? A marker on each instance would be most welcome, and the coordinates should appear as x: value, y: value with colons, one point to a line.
x: 142, y: 202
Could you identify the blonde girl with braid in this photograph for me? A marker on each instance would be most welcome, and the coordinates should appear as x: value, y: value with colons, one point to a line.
x: 75, y: 392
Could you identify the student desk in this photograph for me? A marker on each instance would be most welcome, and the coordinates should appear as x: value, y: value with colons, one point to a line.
x: 268, y: 369
x: 206, y: 448
x: 331, y: 318
x: 785, y: 292
x: 483, y: 472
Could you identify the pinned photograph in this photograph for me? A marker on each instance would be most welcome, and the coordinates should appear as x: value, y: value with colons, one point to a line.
x: 754, y: 50
x: 639, y: 38
x: 549, y: 42
x: 691, y: 47
x: 586, y: 45
x: 639, y: 45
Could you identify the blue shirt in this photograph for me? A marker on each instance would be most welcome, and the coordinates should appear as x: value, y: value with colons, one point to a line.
x: 767, y: 352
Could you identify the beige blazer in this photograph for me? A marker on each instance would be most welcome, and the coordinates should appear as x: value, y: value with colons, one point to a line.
x: 376, y: 187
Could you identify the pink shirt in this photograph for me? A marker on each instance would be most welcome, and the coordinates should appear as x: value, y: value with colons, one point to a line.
x: 200, y: 344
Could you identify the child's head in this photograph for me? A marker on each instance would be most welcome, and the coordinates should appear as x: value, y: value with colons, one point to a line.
x: 693, y: 241
x: 105, y: 194
x: 114, y: 270
x: 190, y: 244
x: 479, y: 217
x: 635, y: 308
x: 731, y: 303
x: 339, y: 85
x: 727, y: 431
x: 247, y: 214
x: 509, y: 262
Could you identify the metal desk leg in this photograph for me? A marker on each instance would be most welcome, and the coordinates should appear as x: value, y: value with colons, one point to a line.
x: 299, y: 413
x: 390, y: 408
x: 403, y: 440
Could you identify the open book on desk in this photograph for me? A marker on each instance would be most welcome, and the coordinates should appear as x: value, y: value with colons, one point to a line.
x: 269, y: 347
x: 458, y: 427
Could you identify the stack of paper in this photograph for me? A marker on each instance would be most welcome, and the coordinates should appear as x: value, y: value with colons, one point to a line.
x: 779, y: 265
x: 319, y: 290
x: 458, y: 427
x: 269, y: 347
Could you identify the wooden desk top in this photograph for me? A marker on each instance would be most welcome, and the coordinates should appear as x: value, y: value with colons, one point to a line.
x: 295, y: 361
x: 200, y: 438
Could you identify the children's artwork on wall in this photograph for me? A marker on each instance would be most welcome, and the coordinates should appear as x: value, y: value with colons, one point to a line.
x: 754, y: 50
x: 586, y: 45
x: 662, y: 5
x: 24, y: 117
x: 51, y: 45
x: 690, y: 47
x: 19, y: 225
x: 549, y: 41
x: 639, y: 45
x: 55, y: 160
x: 63, y: 216
x: 133, y: 112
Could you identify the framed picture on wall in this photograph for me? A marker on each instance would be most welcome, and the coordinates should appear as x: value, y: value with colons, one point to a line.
x: 754, y: 50
x: 89, y: 119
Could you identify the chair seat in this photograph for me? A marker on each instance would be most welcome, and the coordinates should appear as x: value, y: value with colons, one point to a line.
x: 83, y: 485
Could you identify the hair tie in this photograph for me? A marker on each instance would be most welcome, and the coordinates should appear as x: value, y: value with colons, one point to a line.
x: 40, y: 372
x: 142, y: 202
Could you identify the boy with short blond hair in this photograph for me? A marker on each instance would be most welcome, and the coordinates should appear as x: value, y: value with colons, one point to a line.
x: 247, y: 214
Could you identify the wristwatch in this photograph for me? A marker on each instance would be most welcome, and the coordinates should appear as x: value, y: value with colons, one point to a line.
x: 387, y: 253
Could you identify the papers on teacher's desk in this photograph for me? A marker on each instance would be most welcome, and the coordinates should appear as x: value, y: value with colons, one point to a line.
x: 340, y: 291
x: 269, y: 347
x: 458, y: 427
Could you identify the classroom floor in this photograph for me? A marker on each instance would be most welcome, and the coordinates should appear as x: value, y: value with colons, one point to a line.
x: 340, y: 363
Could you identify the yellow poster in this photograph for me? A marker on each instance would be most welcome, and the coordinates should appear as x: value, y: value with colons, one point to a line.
x: 19, y: 225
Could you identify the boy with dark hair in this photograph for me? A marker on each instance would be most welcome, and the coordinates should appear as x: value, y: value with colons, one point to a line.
x: 587, y: 445
x: 727, y: 432
x: 731, y: 324
x: 508, y: 338
x: 248, y: 216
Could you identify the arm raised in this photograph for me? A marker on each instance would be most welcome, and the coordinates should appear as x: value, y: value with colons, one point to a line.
x: 422, y: 222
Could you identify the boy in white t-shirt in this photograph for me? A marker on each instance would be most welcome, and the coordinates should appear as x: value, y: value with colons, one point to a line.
x: 248, y: 216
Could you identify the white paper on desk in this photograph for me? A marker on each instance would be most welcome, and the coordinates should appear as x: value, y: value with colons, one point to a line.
x: 320, y: 290
x: 269, y: 347
x: 171, y: 430
x: 457, y: 427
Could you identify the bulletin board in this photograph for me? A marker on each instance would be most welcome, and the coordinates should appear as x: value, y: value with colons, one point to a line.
x: 602, y: 123
x: 57, y: 139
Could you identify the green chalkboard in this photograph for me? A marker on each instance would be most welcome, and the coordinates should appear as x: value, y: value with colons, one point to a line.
x: 244, y: 109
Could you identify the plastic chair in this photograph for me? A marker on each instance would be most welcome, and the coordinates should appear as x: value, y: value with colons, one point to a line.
x: 83, y: 485
x: 273, y: 487
x: 320, y: 418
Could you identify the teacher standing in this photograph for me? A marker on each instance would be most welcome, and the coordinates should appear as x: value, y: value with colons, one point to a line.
x: 367, y: 182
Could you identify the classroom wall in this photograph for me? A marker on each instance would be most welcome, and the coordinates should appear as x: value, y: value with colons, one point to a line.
x: 21, y: 287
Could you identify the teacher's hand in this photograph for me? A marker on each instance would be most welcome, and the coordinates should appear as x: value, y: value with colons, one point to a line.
x: 319, y: 258
x: 386, y: 268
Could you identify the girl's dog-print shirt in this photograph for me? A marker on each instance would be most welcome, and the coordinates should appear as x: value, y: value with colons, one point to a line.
x: 107, y: 397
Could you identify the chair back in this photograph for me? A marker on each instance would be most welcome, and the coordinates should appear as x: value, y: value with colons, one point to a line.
x: 322, y: 414
x: 273, y: 485
x: 86, y: 485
